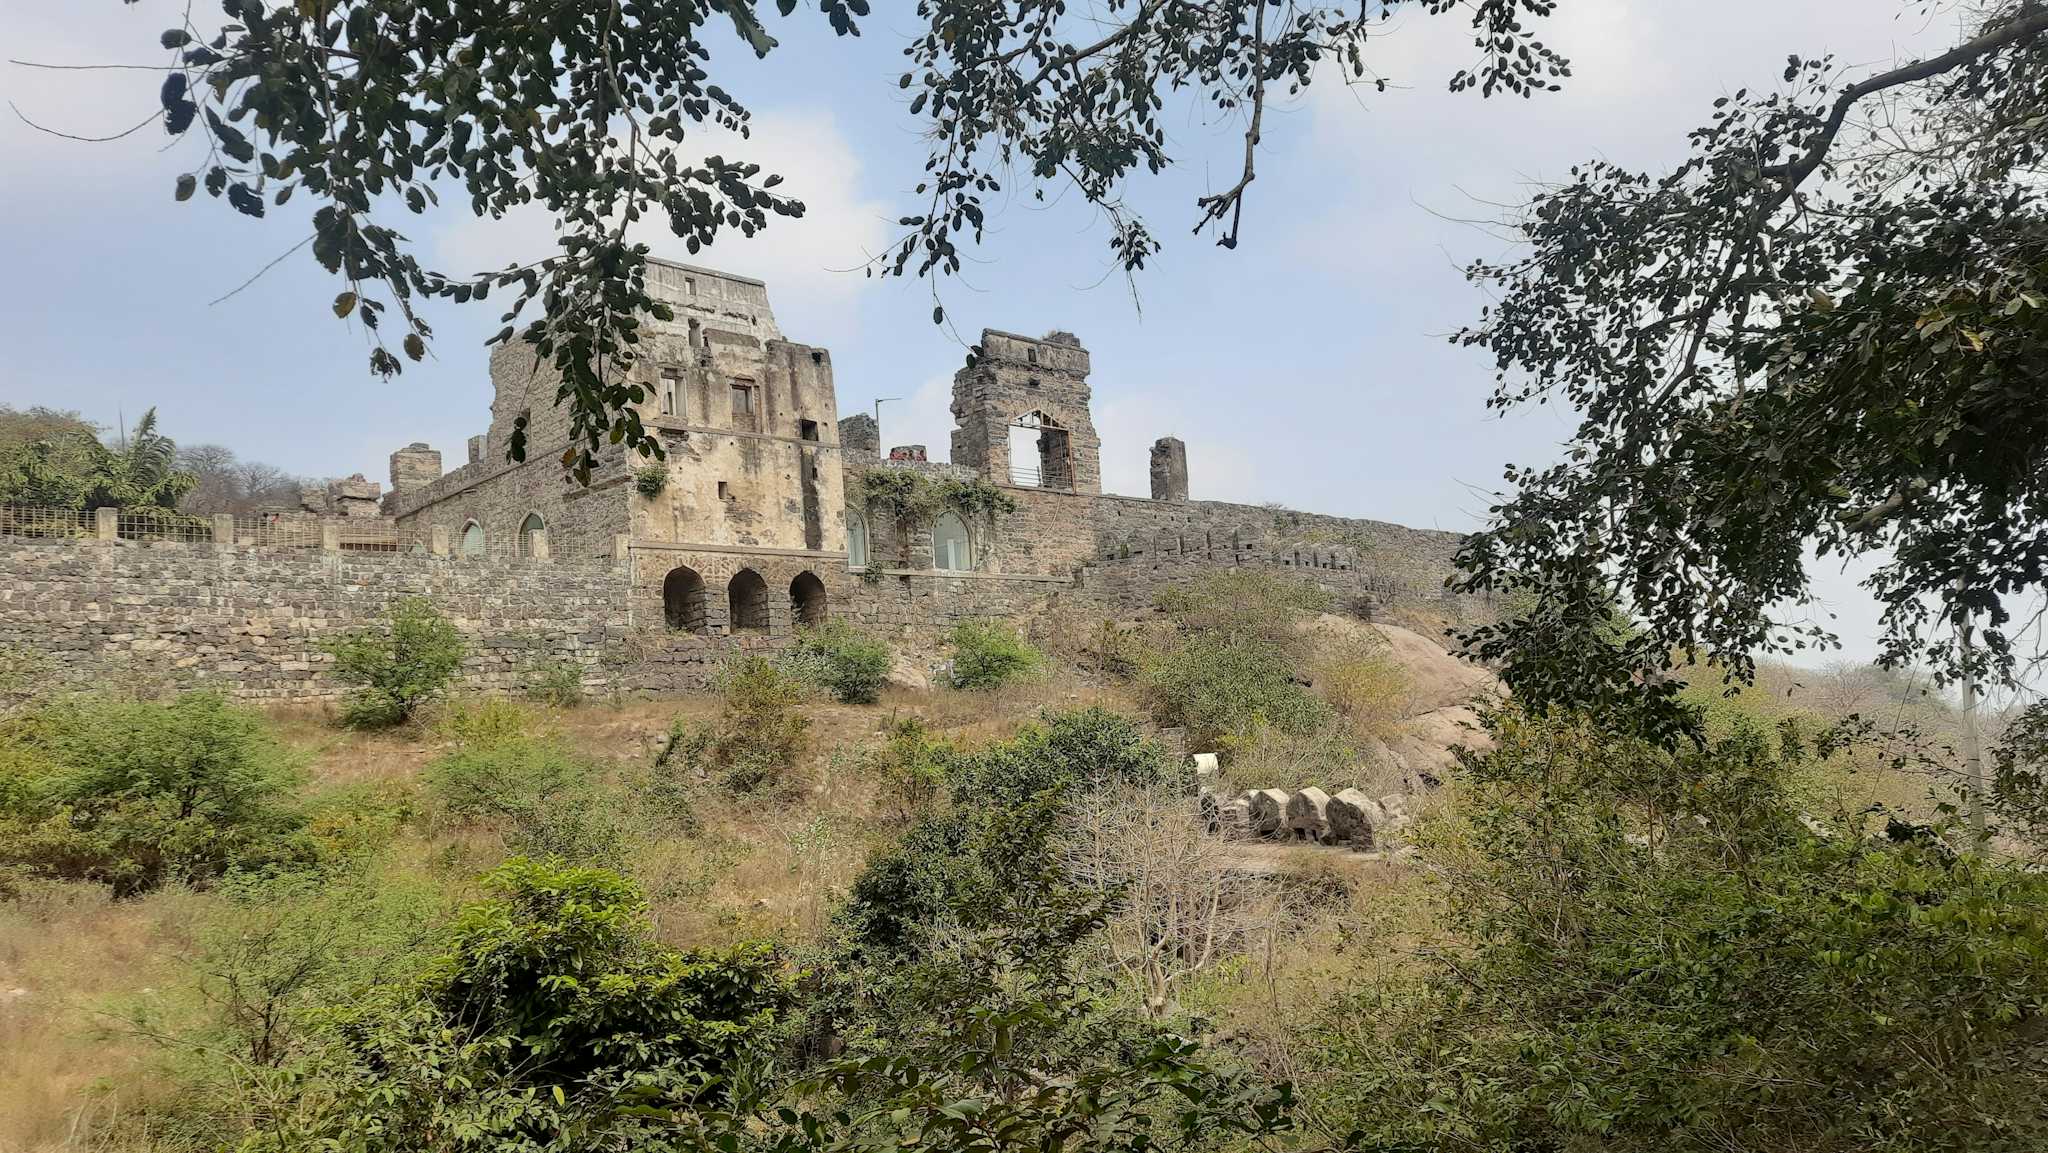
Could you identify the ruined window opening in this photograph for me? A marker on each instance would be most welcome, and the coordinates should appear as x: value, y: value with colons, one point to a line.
x: 724, y: 491
x: 690, y: 285
x: 683, y: 603
x: 532, y: 524
x: 952, y: 551
x: 817, y: 357
x: 671, y: 392
x: 746, y: 601
x: 743, y: 405
x: 856, y: 541
x: 1031, y: 355
x: 1041, y: 453
x: 807, y: 599
x: 807, y: 429
x: 472, y: 539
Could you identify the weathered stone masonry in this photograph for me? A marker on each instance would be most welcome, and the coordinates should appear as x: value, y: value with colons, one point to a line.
x: 655, y: 573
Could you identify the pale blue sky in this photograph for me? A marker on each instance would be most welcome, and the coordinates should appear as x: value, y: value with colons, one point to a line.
x: 1309, y: 366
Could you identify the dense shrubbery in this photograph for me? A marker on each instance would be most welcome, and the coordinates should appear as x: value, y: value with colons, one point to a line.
x: 841, y: 660
x: 1660, y: 954
x: 1236, y: 662
x: 759, y: 735
x: 914, y: 767
x: 509, y: 774
x: 137, y: 793
x: 987, y: 655
x: 964, y: 868
x: 392, y: 671
x: 553, y: 1020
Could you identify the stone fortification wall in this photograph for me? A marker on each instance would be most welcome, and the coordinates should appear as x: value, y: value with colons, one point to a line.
x: 249, y: 620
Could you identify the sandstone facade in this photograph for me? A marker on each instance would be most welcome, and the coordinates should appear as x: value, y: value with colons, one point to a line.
x: 751, y: 524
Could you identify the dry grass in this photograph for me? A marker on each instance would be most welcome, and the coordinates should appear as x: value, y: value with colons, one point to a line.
x: 70, y: 958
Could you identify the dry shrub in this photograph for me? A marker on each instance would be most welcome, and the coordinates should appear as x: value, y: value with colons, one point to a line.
x: 1364, y: 684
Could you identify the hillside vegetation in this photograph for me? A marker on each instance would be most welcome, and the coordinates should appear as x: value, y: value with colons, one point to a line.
x: 991, y: 917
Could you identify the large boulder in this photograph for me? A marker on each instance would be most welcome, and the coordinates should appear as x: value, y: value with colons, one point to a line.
x: 1268, y: 810
x: 1307, y: 818
x: 1355, y: 819
x: 1234, y: 818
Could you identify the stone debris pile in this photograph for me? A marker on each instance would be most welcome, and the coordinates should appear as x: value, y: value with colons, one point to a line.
x: 1311, y: 815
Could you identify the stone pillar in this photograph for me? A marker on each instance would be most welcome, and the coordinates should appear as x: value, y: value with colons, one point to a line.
x: 106, y: 523
x: 414, y: 466
x: 537, y: 544
x: 859, y: 433
x: 224, y: 529
x: 1169, y: 469
x: 476, y: 449
x: 330, y: 536
x: 437, y: 540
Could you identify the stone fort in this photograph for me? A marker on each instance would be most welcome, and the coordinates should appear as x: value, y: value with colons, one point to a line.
x: 759, y: 518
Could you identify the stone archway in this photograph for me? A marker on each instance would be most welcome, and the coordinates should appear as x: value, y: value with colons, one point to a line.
x: 807, y: 603
x: 746, y: 602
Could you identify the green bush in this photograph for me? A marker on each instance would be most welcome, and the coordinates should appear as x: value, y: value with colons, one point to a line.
x: 552, y: 1021
x: 541, y: 797
x: 1224, y: 688
x: 913, y: 767
x: 988, y: 654
x: 758, y: 737
x: 556, y: 682
x: 137, y: 793
x: 841, y: 660
x: 1237, y: 660
x: 394, y: 670
x: 994, y: 846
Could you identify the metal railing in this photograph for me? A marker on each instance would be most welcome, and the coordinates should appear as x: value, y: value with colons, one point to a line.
x: 270, y: 531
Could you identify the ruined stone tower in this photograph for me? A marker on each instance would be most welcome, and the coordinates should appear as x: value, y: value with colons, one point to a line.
x: 1020, y: 413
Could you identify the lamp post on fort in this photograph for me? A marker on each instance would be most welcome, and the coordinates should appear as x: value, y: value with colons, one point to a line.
x: 879, y: 442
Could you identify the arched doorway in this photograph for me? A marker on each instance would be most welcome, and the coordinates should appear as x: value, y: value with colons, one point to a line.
x: 472, y: 539
x: 746, y: 600
x: 807, y: 599
x: 683, y: 601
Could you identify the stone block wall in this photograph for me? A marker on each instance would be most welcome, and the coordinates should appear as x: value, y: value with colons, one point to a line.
x: 249, y: 621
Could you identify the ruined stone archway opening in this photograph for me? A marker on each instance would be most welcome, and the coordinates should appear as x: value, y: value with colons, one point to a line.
x: 532, y: 524
x: 1041, y: 453
x: 807, y: 602
x: 683, y: 602
x: 746, y: 599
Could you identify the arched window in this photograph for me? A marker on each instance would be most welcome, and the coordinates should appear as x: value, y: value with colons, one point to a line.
x: 532, y: 524
x: 856, y: 540
x: 472, y: 539
x: 807, y: 599
x: 746, y: 602
x: 683, y: 600
x: 951, y: 549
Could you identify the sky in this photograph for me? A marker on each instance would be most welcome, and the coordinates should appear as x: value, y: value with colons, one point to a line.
x: 1309, y: 366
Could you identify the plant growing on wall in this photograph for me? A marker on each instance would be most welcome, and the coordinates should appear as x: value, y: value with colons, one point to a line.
x: 913, y: 499
x: 918, y: 499
x: 651, y: 479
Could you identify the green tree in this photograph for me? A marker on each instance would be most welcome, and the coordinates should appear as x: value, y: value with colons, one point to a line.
x: 1810, y: 335
x: 1655, y: 950
x: 589, y: 110
x: 53, y: 458
x: 393, y: 670
x: 138, y: 793
x: 553, y: 1021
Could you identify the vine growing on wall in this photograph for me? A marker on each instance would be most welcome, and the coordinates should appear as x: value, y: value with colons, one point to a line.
x: 914, y: 498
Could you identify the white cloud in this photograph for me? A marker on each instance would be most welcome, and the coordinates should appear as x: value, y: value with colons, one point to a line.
x: 812, y: 264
